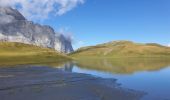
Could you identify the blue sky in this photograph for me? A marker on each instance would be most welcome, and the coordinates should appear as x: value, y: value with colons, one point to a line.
x: 99, y: 21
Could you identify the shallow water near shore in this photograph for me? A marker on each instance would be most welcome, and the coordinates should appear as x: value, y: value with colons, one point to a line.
x: 28, y: 82
x: 130, y: 79
x: 148, y: 75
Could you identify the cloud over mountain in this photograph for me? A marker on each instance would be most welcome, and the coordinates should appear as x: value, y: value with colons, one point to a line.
x: 40, y: 9
x: 168, y: 45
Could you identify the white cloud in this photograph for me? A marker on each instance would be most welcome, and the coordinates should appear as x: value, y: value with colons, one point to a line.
x: 78, y: 43
x: 168, y: 45
x: 70, y: 36
x: 40, y: 9
x: 66, y: 33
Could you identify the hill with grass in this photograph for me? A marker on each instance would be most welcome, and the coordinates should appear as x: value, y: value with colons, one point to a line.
x: 12, y: 53
x: 123, y: 49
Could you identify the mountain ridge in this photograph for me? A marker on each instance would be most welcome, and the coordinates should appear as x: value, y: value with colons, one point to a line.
x: 14, y: 27
x: 123, y: 49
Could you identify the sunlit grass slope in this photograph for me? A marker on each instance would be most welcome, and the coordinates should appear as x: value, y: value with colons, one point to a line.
x: 18, y: 53
x: 123, y: 49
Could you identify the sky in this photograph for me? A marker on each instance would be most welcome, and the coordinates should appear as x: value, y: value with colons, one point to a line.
x: 92, y: 22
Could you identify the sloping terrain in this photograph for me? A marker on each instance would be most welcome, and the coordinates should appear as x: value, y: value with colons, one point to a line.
x: 123, y: 49
x: 12, y: 53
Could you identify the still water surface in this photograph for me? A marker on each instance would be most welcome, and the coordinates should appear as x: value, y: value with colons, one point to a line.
x: 150, y: 76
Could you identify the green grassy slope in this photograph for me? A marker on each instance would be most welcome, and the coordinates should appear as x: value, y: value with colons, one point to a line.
x: 123, y: 49
x: 19, y: 53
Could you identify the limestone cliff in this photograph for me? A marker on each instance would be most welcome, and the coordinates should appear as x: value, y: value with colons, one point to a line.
x: 15, y: 28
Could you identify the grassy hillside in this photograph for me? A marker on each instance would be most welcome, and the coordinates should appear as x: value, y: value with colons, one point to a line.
x: 19, y: 53
x: 123, y: 49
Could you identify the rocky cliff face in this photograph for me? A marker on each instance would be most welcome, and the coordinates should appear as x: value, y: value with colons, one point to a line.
x: 15, y: 28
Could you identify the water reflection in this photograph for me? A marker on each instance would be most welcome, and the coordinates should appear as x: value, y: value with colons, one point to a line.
x: 68, y: 66
x: 150, y: 75
x: 144, y: 74
x: 123, y: 66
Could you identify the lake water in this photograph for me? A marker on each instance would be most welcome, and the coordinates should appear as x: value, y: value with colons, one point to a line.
x: 151, y: 76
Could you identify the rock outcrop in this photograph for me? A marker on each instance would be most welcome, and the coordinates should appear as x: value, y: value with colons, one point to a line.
x: 15, y: 28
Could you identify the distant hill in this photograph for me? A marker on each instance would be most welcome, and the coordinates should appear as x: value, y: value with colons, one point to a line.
x: 12, y: 53
x: 123, y: 49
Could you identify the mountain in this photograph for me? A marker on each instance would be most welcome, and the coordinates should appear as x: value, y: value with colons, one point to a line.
x: 123, y: 49
x: 14, y: 53
x: 14, y: 27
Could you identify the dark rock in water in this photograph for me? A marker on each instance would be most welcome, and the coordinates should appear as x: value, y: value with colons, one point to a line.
x: 15, y: 28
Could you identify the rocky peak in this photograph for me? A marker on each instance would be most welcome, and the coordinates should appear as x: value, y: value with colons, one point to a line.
x: 15, y: 28
x: 8, y: 11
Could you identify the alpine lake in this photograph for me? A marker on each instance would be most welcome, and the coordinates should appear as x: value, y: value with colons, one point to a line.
x: 148, y: 76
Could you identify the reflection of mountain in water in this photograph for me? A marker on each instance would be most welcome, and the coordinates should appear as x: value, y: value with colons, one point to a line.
x: 68, y: 67
x: 124, y: 66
